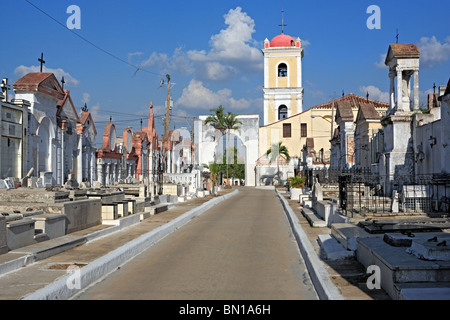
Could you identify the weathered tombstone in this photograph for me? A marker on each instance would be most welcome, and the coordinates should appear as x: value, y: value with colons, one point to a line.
x: 9, y: 184
x: 3, y: 184
x: 32, y: 182
x: 39, y: 183
x: 97, y: 184
x: 47, y: 179
x: 317, y: 194
x: 394, y: 207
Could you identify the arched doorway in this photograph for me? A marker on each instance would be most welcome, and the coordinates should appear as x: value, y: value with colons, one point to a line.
x: 231, y: 152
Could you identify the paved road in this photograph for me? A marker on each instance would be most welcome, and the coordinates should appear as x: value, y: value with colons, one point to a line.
x: 241, y: 249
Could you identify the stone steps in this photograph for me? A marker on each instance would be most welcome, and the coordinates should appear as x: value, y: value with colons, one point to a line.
x: 313, y: 219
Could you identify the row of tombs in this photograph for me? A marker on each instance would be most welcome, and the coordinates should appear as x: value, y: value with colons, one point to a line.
x: 32, y: 216
x: 411, y: 249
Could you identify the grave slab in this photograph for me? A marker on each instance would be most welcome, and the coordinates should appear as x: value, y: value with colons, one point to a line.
x: 347, y: 234
x: 397, y: 266
x: 436, y: 248
x: 332, y: 249
x: 19, y: 233
x: 53, y: 225
x: 405, y: 239
x: 313, y: 219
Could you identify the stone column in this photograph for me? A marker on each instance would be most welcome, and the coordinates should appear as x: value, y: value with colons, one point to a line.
x: 114, y: 172
x: 399, y: 89
x: 107, y: 175
x: 80, y: 158
x: 392, y: 89
x: 100, y: 173
x: 416, y: 89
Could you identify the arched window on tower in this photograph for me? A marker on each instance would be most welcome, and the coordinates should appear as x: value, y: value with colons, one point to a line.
x: 282, y: 70
x: 282, y: 112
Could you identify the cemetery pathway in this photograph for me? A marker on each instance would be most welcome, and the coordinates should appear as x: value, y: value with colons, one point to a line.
x: 243, y: 248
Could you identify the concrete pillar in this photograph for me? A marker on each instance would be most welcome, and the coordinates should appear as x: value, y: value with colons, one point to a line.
x: 80, y: 159
x: 114, y: 172
x: 392, y: 90
x: 108, y: 174
x: 399, y: 89
x: 416, y: 89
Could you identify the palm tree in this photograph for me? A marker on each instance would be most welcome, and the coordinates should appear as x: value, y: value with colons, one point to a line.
x: 275, y: 151
x: 230, y: 123
x: 218, y: 119
x: 214, y: 169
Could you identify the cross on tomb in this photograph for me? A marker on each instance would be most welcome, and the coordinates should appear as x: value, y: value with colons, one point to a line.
x: 63, y: 82
x: 42, y: 61
x: 396, y: 37
x: 5, y: 87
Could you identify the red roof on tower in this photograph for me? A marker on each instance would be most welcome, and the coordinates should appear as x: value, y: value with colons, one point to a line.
x: 282, y: 40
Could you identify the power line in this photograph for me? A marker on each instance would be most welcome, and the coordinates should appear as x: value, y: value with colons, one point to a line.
x: 93, y: 44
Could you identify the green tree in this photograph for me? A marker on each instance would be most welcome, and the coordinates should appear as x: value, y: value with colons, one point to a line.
x: 276, y: 151
x: 214, y: 169
x: 224, y: 123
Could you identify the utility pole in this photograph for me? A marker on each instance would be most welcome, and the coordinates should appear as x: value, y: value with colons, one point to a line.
x: 166, y: 127
x: 332, y: 118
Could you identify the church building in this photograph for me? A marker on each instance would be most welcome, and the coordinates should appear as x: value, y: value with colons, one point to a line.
x: 283, y: 90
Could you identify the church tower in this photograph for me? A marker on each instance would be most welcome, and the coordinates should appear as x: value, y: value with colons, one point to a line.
x: 283, y: 89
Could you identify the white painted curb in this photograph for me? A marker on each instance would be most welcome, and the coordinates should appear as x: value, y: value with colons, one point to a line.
x: 62, y: 289
x: 325, y: 289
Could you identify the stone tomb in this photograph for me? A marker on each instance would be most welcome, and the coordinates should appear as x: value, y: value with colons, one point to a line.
x: 20, y: 233
x: 51, y: 225
x: 3, y: 241
x: 400, y: 269
x: 110, y: 211
x: 79, y: 214
x: 435, y: 248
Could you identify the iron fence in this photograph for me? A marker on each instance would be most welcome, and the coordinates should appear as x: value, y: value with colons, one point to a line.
x: 364, y: 191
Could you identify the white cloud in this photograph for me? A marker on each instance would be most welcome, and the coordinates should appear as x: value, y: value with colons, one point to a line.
x: 381, y: 63
x: 70, y: 81
x: 432, y: 52
x: 179, y: 61
x: 306, y: 43
x: 196, y: 95
x: 375, y: 93
x: 233, y: 47
x: 131, y: 55
x: 231, y: 51
x: 86, y: 98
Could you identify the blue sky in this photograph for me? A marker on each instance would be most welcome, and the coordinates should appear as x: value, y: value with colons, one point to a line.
x: 212, y: 49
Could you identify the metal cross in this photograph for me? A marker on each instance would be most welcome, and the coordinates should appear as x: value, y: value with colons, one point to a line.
x: 434, y: 88
x: 396, y: 37
x: 282, y: 22
x: 5, y: 87
x: 63, y: 82
x: 42, y: 61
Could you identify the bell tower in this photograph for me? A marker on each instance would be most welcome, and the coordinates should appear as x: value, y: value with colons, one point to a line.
x: 283, y: 89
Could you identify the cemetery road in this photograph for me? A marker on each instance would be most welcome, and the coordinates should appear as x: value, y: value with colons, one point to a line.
x: 243, y: 248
